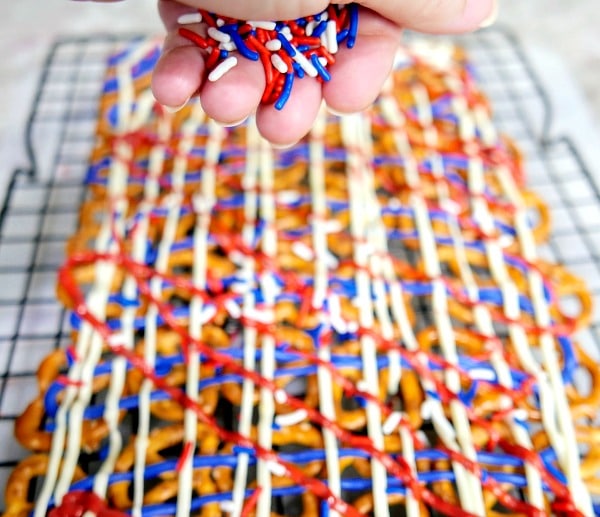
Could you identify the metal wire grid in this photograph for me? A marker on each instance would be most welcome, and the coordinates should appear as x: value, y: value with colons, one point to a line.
x: 40, y: 209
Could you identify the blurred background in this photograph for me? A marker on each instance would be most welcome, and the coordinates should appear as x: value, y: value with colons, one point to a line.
x: 560, y: 36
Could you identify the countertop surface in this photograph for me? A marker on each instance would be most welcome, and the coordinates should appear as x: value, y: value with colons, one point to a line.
x: 561, y: 35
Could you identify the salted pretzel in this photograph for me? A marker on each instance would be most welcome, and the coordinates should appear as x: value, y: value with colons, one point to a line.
x: 358, y: 325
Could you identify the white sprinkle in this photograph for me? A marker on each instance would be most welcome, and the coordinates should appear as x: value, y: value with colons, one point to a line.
x: 323, y: 61
x: 227, y: 506
x: 505, y: 241
x: 422, y: 437
x: 353, y: 327
x: 331, y: 260
x: 233, y: 308
x: 450, y: 206
x: 259, y: 316
x: 220, y: 22
x: 303, y: 251
x: 332, y: 44
x: 288, y: 197
x: 325, y: 40
x: 520, y: 414
x: 426, y: 409
x: 269, y: 285
x: 281, y: 397
x: 287, y: 33
x: 392, y: 422
x: 117, y: 339
x: 279, y: 63
x: 223, y: 68
x: 218, y: 35
x: 482, y: 374
x: 306, y: 65
x: 237, y: 257
x: 363, y: 386
x: 259, y: 24
x: 276, y: 469
x: 240, y: 288
x: 189, y: 18
x: 333, y: 226
x: 310, y: 27
x: 229, y: 47
x: 290, y: 419
x: 208, y: 313
x: 273, y: 45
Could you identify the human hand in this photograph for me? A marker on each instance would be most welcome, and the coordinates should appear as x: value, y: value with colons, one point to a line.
x: 357, y: 75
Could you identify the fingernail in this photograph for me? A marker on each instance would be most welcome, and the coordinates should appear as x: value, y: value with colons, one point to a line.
x: 492, y: 17
x: 283, y: 147
x: 335, y: 112
x: 233, y: 124
x: 175, y: 109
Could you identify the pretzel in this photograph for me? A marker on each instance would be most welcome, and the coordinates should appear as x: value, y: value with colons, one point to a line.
x: 357, y: 322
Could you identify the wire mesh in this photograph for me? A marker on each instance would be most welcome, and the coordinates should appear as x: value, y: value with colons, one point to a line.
x: 40, y: 210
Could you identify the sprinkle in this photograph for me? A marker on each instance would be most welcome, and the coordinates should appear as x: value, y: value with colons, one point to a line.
x: 303, y: 251
x: 276, y: 469
x: 331, y: 32
x: 273, y: 45
x: 286, y: 93
x: 218, y: 35
x: 189, y: 18
x: 279, y: 64
x: 227, y: 506
x: 222, y: 69
x: 392, y: 422
x: 280, y: 396
x: 233, y: 308
x: 208, y: 313
x: 290, y: 419
x: 306, y: 65
x: 268, y: 26
x: 323, y: 73
x: 482, y: 374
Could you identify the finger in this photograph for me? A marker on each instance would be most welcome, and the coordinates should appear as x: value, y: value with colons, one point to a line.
x: 261, y: 9
x: 178, y: 73
x: 233, y: 97
x: 287, y: 126
x: 170, y: 11
x: 358, y: 73
x: 437, y: 16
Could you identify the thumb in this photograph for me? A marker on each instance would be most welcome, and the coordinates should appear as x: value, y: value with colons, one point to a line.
x: 261, y: 9
x: 436, y: 16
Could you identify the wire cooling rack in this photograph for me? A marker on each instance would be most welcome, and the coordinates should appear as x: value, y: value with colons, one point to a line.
x: 41, y: 205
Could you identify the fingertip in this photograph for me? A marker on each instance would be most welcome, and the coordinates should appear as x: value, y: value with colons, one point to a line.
x: 291, y: 123
x: 236, y: 95
x: 178, y: 75
x: 359, y: 73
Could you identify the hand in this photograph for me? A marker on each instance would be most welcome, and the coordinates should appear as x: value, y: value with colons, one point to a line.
x: 357, y: 75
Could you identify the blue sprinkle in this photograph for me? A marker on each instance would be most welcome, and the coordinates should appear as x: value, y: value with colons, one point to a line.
x: 342, y: 35
x: 319, y: 29
x: 224, y: 54
x: 286, y: 45
x: 239, y: 43
x: 299, y: 70
x: 353, y: 29
x: 320, y: 68
x: 287, y: 91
